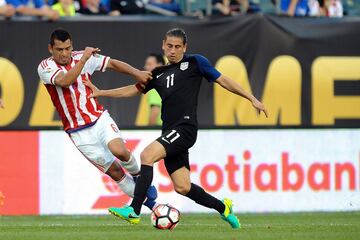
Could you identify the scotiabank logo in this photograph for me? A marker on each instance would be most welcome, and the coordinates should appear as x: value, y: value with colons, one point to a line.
x: 245, y: 174
x: 116, y: 197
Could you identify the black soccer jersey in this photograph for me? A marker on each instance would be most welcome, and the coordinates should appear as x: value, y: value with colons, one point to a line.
x: 178, y: 86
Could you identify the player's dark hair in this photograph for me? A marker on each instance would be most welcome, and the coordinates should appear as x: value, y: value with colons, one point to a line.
x: 59, y: 34
x: 177, y: 32
x: 159, y: 58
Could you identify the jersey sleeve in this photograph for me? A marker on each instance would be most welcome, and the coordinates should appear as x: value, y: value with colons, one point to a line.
x: 206, y: 69
x: 148, y: 87
x: 150, y: 84
x: 48, y: 73
x: 97, y: 62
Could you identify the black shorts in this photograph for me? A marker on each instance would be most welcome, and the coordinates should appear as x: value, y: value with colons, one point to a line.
x: 177, y: 142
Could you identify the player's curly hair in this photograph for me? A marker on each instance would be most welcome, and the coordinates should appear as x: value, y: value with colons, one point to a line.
x: 59, y: 34
x: 177, y: 32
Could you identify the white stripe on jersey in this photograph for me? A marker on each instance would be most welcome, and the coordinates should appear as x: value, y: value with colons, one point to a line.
x: 83, y: 100
x: 92, y: 99
x: 78, y: 116
x: 94, y: 103
x: 63, y: 104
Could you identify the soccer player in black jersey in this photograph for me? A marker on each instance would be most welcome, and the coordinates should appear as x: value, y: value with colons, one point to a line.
x: 178, y: 84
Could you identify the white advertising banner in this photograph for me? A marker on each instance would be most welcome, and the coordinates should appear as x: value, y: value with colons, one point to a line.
x: 261, y: 170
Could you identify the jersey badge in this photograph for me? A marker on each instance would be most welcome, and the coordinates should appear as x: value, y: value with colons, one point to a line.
x: 184, y: 66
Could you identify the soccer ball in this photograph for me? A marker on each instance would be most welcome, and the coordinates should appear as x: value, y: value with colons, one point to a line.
x: 165, y: 216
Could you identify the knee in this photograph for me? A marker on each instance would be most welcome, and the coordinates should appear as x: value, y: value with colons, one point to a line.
x: 115, y: 172
x: 182, y: 189
x: 122, y: 154
x: 146, y: 158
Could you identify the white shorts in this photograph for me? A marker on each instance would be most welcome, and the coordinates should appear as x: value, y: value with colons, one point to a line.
x: 93, y: 141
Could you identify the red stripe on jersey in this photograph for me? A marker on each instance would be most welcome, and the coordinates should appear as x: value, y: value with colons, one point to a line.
x: 86, y: 117
x: 56, y: 101
x: 68, y: 100
x: 103, y: 64
x: 99, y: 107
x: 51, y: 79
x: 90, y: 107
x: 44, y: 63
x: 70, y: 105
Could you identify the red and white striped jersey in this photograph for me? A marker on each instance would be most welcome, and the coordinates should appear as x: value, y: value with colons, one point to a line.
x: 73, y: 105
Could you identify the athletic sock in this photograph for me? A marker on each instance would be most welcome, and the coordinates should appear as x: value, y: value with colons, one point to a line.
x: 201, y: 197
x: 131, y: 166
x: 142, y: 185
x: 127, y: 185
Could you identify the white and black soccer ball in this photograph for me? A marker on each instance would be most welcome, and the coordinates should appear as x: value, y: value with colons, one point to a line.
x: 165, y: 216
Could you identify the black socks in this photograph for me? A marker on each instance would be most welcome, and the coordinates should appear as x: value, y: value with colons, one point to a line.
x: 201, y: 197
x: 143, y: 183
x: 196, y: 193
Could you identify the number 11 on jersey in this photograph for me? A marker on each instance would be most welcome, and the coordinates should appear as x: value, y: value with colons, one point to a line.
x: 170, y: 137
x: 170, y: 81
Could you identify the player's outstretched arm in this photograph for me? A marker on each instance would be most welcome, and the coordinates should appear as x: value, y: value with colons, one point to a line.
x: 119, y: 66
x: 127, y: 91
x: 66, y: 79
x: 234, y: 87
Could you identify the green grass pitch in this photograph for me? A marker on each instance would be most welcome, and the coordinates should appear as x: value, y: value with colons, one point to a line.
x: 302, y: 226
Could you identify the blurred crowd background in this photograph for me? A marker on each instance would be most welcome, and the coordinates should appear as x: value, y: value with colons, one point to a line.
x: 55, y: 9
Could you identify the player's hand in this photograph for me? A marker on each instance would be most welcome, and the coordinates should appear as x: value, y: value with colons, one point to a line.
x: 88, y: 52
x: 143, y: 77
x: 94, y: 89
x: 259, y: 106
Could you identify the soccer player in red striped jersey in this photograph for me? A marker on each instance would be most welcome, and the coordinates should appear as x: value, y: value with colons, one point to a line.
x: 87, y: 123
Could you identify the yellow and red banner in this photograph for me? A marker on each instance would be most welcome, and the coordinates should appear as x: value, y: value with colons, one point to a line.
x: 305, y: 70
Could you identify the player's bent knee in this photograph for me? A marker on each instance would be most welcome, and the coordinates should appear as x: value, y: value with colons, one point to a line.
x: 183, y: 190
x: 146, y: 158
x: 122, y: 154
x: 115, y: 172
